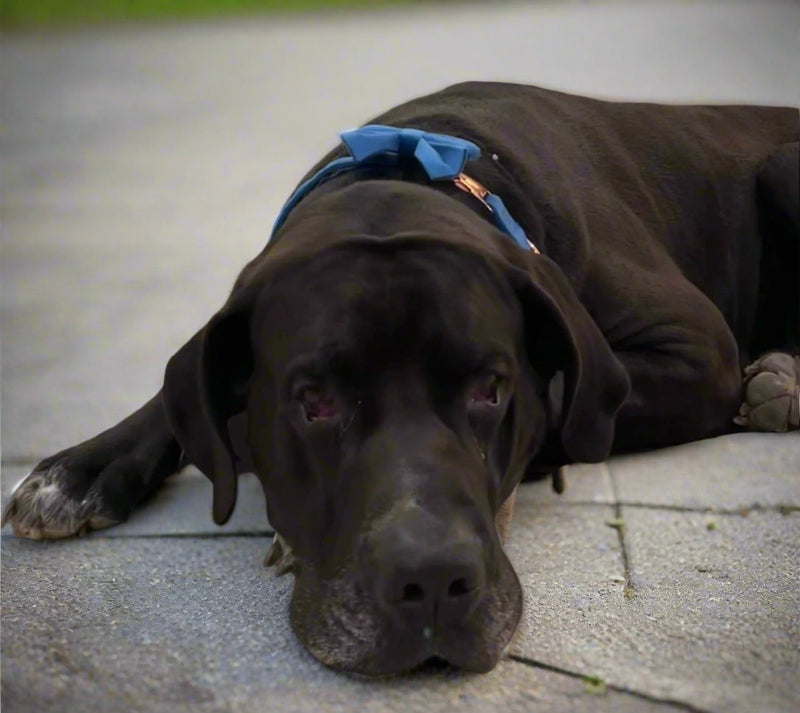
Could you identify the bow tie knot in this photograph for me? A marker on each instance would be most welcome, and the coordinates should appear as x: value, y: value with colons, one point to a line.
x: 441, y: 156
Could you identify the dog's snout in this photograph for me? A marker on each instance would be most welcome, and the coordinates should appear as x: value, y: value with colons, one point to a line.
x: 428, y: 584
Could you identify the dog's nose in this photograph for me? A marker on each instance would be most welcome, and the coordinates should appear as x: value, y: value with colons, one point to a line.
x: 430, y: 585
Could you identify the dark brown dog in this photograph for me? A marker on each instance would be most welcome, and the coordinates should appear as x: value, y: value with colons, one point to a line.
x: 392, y: 365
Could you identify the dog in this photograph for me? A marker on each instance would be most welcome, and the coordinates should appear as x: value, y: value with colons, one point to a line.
x: 480, y: 286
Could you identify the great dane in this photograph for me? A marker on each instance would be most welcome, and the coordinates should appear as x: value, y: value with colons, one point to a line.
x: 483, y: 285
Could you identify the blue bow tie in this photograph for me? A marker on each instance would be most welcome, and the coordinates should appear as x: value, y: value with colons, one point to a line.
x: 441, y: 156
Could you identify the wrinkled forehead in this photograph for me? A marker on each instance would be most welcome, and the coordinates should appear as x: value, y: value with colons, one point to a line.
x: 387, y: 303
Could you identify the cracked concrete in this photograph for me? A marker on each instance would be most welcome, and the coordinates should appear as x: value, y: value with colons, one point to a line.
x: 142, y: 167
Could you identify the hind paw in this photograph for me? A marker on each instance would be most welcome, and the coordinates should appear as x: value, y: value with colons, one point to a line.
x: 771, y: 394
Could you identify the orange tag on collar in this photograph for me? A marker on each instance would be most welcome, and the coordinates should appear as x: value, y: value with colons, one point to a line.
x: 471, y: 186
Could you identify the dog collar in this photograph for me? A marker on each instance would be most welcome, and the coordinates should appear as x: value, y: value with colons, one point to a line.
x: 441, y: 156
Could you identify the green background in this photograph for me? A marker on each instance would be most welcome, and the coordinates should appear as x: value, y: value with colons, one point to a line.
x: 27, y: 14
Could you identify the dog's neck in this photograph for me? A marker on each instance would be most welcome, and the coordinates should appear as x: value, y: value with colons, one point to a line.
x: 438, y: 158
x: 360, y: 204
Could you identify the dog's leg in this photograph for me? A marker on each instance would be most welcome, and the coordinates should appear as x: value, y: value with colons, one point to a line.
x: 97, y: 483
x: 777, y: 320
x: 684, y: 367
x: 675, y: 401
x: 771, y: 400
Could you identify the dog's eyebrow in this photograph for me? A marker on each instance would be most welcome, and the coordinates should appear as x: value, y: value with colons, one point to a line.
x: 327, y: 359
x: 336, y: 360
x: 473, y: 358
x: 496, y: 354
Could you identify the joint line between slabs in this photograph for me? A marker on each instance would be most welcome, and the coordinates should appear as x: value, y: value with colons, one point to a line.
x: 619, y: 526
x: 8, y: 536
x: 533, y: 663
x: 741, y: 511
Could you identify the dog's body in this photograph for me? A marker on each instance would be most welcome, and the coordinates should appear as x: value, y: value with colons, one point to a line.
x: 392, y: 365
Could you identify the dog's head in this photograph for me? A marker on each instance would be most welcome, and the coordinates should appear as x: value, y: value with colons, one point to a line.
x: 394, y: 390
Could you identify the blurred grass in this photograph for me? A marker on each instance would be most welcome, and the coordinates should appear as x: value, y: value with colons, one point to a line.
x: 29, y: 14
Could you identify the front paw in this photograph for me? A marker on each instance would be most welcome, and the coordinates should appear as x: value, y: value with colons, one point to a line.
x: 771, y: 394
x: 47, y: 505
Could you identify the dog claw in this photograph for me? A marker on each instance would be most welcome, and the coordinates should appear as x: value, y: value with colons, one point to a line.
x: 280, y: 556
x: 771, y: 394
x: 284, y: 566
x: 275, y: 551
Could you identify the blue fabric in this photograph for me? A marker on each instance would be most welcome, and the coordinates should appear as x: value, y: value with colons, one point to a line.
x: 503, y: 220
x: 441, y: 156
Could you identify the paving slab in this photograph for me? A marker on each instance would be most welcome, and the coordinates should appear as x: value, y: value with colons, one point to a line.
x: 734, y: 472
x: 569, y: 560
x: 716, y: 612
x: 181, y: 507
x: 199, y: 625
x: 711, y: 617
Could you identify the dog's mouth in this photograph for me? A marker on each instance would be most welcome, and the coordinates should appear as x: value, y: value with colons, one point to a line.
x: 345, y: 628
x: 433, y: 665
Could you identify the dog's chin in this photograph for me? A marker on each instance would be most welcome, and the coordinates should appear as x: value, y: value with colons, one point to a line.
x: 346, y: 630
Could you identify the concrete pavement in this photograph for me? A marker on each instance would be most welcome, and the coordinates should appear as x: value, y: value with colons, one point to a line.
x: 142, y: 167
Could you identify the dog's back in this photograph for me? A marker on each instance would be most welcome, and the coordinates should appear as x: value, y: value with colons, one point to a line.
x: 643, y: 183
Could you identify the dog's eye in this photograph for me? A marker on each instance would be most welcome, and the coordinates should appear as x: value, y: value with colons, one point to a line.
x: 486, y: 390
x: 318, y: 404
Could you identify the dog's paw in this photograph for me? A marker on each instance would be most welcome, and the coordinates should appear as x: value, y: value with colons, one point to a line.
x: 280, y: 556
x: 771, y: 394
x: 47, y: 505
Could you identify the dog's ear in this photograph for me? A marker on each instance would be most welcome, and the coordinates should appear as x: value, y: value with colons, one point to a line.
x: 205, y: 385
x: 562, y: 337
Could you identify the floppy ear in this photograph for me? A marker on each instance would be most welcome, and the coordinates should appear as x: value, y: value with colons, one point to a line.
x: 563, y: 337
x: 205, y: 385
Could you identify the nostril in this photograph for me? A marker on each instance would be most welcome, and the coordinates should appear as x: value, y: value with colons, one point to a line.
x: 459, y: 587
x: 413, y: 593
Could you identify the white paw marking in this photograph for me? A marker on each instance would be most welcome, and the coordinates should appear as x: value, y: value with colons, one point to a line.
x: 39, y: 509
